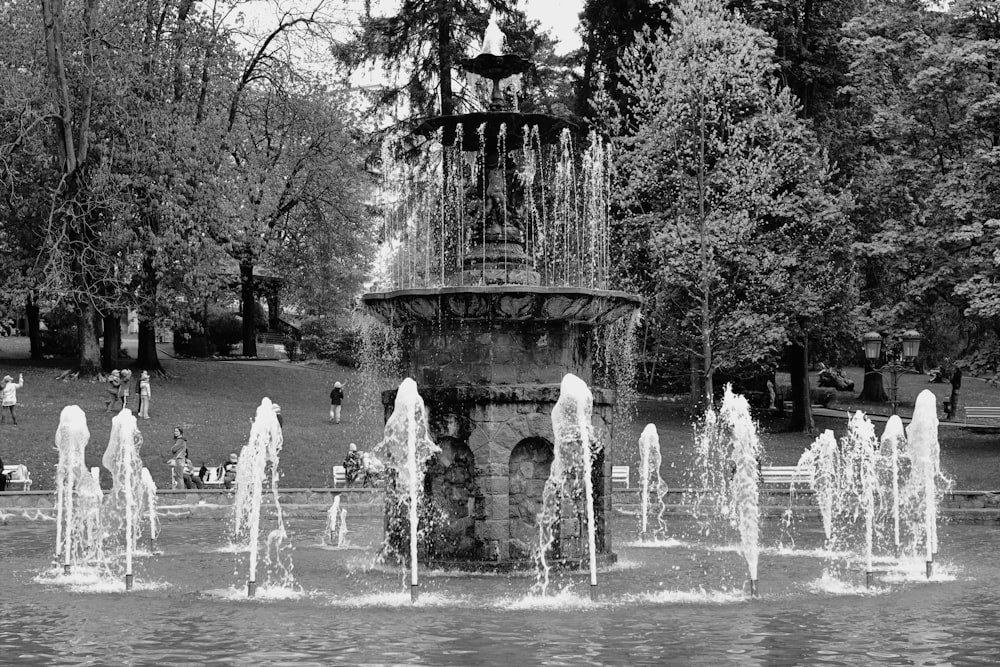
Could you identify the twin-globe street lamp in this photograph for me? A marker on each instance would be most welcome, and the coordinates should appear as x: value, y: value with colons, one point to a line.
x: 897, y: 358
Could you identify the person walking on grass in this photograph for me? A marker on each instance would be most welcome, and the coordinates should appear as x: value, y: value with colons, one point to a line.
x: 336, y: 398
x: 9, y: 392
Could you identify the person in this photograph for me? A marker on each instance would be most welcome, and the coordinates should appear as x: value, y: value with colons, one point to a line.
x: 336, y: 398
x: 124, y: 386
x: 352, y: 464
x: 114, y: 383
x: 956, y: 384
x: 229, y: 471
x: 144, y: 394
x: 9, y: 392
x: 178, y: 455
x: 191, y: 481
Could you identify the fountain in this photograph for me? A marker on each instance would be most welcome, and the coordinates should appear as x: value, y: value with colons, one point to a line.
x: 650, y: 479
x: 122, y: 460
x: 893, y: 442
x: 258, y: 465
x: 497, y: 286
x: 77, y: 515
x: 406, y: 448
x: 921, y: 489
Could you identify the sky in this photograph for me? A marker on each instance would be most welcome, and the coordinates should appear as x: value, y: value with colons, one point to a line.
x: 560, y: 17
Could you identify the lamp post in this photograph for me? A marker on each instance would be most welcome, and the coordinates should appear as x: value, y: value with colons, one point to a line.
x: 898, y: 358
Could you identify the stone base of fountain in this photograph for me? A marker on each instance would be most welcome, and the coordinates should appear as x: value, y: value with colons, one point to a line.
x: 521, y: 565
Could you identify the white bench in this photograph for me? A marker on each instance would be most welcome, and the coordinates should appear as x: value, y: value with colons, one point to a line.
x: 786, y: 475
x: 981, y: 412
x: 339, y: 476
x: 17, y: 474
x: 620, y: 475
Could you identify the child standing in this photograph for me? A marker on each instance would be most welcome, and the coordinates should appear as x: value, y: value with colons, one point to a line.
x: 10, y: 397
x: 123, y: 388
x: 144, y: 394
x: 114, y: 383
x: 336, y: 398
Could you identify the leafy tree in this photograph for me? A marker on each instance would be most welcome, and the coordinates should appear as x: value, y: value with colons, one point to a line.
x: 748, y: 233
x: 925, y: 85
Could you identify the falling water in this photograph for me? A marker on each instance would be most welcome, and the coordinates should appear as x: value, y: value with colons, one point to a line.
x: 649, y: 475
x: 924, y: 450
x: 72, y: 437
x: 258, y: 457
x: 149, y: 487
x: 406, y: 446
x: 894, y: 440
x: 744, y: 496
x: 122, y: 460
x: 335, y: 533
x: 824, y: 460
x: 571, y: 472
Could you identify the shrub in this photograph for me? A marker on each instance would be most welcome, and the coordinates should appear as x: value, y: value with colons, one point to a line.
x: 225, y: 330
x: 59, y: 338
x: 322, y: 341
x: 823, y: 396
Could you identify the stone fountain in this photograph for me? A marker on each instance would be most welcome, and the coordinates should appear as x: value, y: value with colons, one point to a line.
x: 497, y: 288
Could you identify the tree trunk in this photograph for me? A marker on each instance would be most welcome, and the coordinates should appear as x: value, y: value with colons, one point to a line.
x: 249, y: 310
x: 873, y: 390
x: 112, y: 342
x: 697, y: 390
x: 798, y: 368
x: 147, y: 358
x: 90, y: 353
x: 32, y: 315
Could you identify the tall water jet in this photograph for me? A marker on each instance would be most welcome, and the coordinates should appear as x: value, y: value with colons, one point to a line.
x: 335, y: 533
x: 571, y: 474
x: 823, y: 458
x: 924, y: 450
x: 71, y: 438
x: 258, y: 458
x: 406, y: 447
x: 744, y: 492
x: 149, y: 488
x: 122, y: 460
x: 649, y: 475
x: 893, y: 442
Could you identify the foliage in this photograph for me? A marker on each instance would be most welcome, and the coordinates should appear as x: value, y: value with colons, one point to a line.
x: 322, y: 339
x: 749, y: 239
x: 225, y: 330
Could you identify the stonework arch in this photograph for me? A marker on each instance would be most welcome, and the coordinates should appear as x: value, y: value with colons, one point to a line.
x: 450, y: 484
x: 530, y: 462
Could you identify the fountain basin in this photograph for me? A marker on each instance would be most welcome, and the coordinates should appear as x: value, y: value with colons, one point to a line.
x: 501, y: 303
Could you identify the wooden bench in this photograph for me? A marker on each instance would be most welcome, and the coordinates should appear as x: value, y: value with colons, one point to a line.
x: 17, y: 474
x: 786, y: 475
x: 981, y: 412
x: 339, y: 476
x: 620, y: 475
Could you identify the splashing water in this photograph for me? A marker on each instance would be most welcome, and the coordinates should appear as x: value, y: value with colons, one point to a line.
x: 570, y: 475
x: 744, y: 496
x: 335, y: 533
x: 406, y: 447
x: 149, y: 487
x: 649, y: 476
x: 258, y: 457
x: 893, y: 442
x: 921, y: 489
x: 823, y: 458
x: 122, y: 460
x: 78, y: 532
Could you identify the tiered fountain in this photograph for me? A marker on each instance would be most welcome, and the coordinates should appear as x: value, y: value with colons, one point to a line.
x: 498, y: 287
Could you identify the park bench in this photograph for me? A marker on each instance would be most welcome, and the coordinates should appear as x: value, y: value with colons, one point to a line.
x: 17, y: 474
x: 981, y: 412
x: 620, y: 475
x: 339, y: 476
x: 786, y: 475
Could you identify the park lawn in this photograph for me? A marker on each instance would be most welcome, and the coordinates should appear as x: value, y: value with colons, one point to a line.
x: 212, y: 401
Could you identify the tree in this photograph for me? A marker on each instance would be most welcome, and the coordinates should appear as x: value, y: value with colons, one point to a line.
x: 417, y: 49
x: 748, y: 232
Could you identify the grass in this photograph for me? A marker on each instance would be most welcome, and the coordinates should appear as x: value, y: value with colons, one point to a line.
x: 213, y: 402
